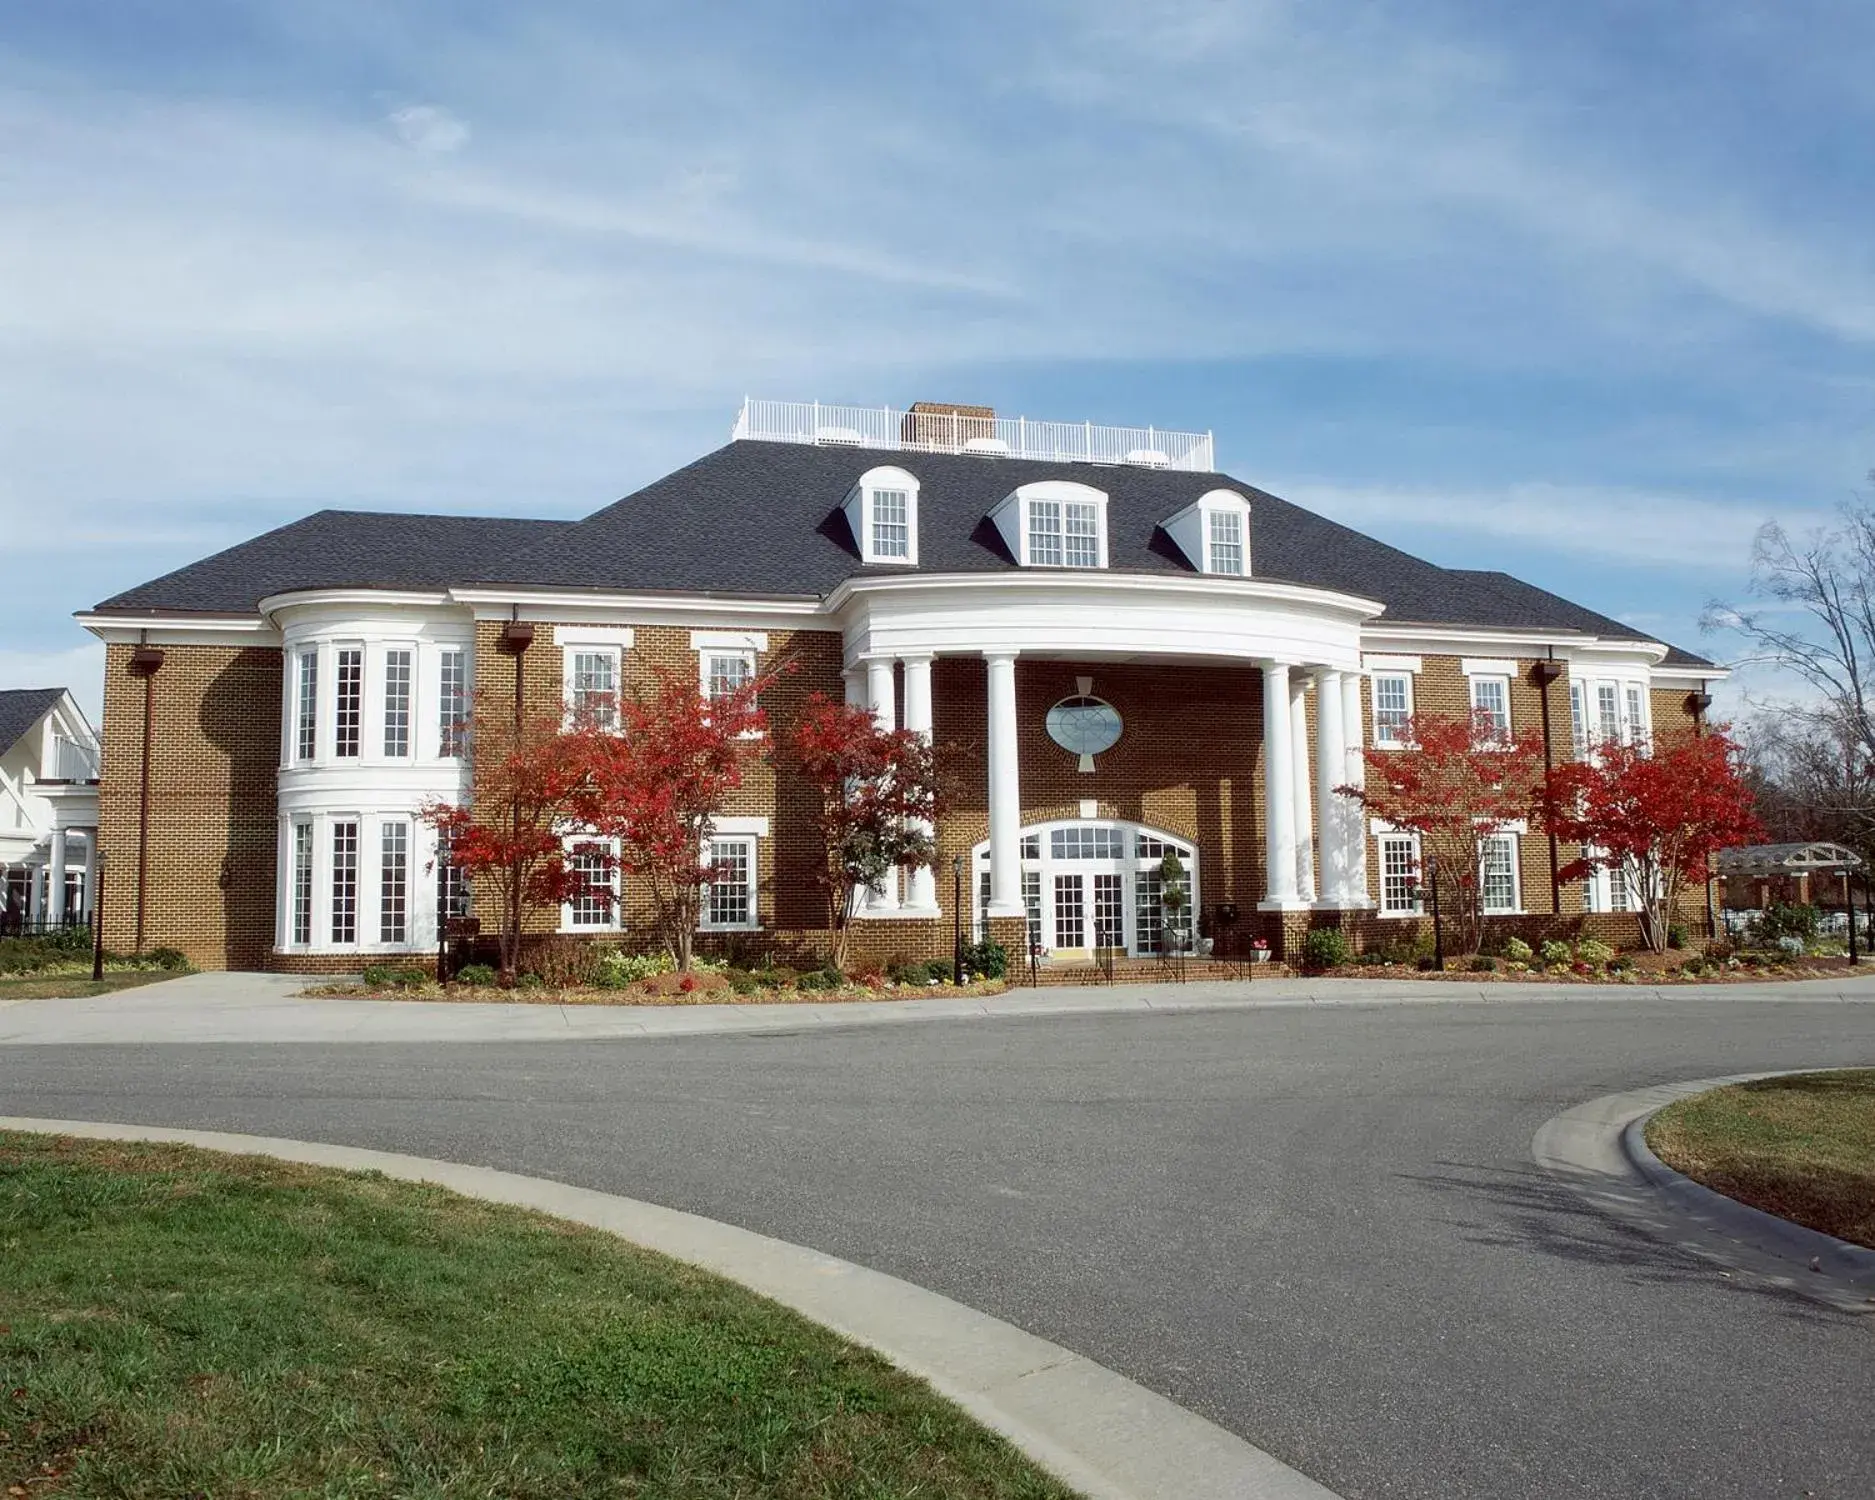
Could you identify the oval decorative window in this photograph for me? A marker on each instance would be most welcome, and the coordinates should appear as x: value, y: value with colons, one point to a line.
x: 1084, y: 726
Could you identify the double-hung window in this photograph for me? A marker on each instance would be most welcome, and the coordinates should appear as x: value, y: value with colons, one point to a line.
x: 1490, y: 707
x: 1045, y: 533
x: 1636, y: 715
x: 302, y: 883
x: 1399, y: 874
x: 1226, y: 542
x: 729, y: 898
x: 1607, y: 713
x: 595, y: 902
x: 397, y: 673
x: 394, y: 881
x: 1579, y: 717
x: 891, y: 523
x: 1497, y: 873
x: 1081, y: 546
x: 592, y: 688
x: 345, y: 880
x: 1393, y: 707
x: 726, y: 673
x: 452, y: 884
x: 452, y: 700
x: 348, y: 702
x: 306, y: 711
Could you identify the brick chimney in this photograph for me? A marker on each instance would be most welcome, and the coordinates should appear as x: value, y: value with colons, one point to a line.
x: 945, y: 424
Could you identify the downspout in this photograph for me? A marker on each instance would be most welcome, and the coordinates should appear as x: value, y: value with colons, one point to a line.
x: 516, y: 636
x: 1543, y: 674
x: 145, y: 662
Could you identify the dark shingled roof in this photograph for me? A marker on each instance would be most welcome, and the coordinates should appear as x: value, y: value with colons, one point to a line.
x: 342, y: 549
x: 20, y: 709
x: 764, y: 518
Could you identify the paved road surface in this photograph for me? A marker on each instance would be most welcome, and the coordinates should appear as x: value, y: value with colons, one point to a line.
x: 1321, y: 1228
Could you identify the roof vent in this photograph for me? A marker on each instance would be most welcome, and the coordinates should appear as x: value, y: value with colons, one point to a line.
x: 1149, y: 458
x: 845, y: 437
x: 989, y: 445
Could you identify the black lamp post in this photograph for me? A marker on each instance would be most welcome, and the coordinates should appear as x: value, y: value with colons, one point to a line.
x: 1438, y: 932
x: 957, y: 919
x: 1848, y: 908
x: 96, y: 893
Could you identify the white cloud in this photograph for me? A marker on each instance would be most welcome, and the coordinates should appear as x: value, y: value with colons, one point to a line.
x: 430, y: 128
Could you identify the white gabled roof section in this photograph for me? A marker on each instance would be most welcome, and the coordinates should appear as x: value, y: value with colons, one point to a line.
x: 1190, y: 528
x: 858, y: 509
x: 1011, y: 512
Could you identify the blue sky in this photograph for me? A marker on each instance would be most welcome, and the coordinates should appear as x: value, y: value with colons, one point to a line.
x: 1585, y: 291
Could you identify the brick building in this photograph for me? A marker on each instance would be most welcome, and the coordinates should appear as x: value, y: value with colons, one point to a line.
x: 1123, y: 652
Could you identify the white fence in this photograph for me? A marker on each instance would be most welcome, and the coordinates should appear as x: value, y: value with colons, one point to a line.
x: 964, y: 432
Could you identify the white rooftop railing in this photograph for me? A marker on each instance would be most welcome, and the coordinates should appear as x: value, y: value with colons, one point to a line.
x: 966, y: 432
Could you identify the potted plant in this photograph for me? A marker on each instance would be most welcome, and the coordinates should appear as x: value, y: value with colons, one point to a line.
x: 1260, y: 951
x: 1172, y: 898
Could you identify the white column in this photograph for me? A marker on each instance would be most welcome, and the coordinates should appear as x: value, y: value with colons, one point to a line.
x: 55, y: 892
x: 1299, y: 780
x: 921, y: 883
x: 1352, y: 737
x: 1279, y: 804
x: 1331, y: 858
x: 882, y: 699
x: 1005, y: 788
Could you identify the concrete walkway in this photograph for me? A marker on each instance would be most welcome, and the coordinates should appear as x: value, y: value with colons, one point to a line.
x: 270, y: 1008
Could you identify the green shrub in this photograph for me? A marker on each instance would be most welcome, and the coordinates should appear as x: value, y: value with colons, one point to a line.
x: 777, y: 977
x: 1325, y: 948
x: 1785, y: 921
x: 171, y: 959
x: 1789, y: 945
x: 828, y: 978
x: 1518, y: 951
x: 1593, y: 952
x: 986, y: 960
x: 940, y: 969
x: 1482, y: 964
x: 35, y: 955
x: 1693, y: 965
x: 1676, y: 935
x: 562, y: 963
x: 1556, y: 954
x: 742, y: 982
x: 1620, y: 964
x: 394, y: 977
x: 475, y: 975
x: 1426, y: 963
x: 616, y: 970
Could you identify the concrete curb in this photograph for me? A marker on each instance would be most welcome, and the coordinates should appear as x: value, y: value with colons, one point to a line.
x: 1600, y: 1148
x: 1097, y: 1431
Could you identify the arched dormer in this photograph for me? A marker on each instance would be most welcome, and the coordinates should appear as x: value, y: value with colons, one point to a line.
x: 882, y: 510
x: 1054, y: 523
x: 1214, y: 533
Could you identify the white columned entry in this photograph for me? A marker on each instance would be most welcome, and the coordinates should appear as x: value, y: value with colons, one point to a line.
x: 1355, y: 828
x: 1306, y: 860
x: 1005, y: 788
x: 1331, y: 860
x: 882, y: 699
x: 921, y: 883
x: 1279, y: 804
x: 55, y: 892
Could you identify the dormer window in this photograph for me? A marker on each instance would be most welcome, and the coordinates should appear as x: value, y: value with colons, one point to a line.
x: 1214, y: 533
x: 882, y: 512
x: 1055, y: 524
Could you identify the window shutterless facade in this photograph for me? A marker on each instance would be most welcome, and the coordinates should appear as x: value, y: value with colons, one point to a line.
x: 1608, y: 712
x: 1045, y: 533
x: 301, y: 933
x: 348, y: 702
x: 397, y: 672
x: 1081, y: 545
x: 593, y: 674
x: 891, y: 524
x: 452, y: 700
x: 1490, y: 706
x: 452, y: 886
x: 1579, y: 717
x: 1497, y: 874
x: 596, y: 907
x: 1399, y: 874
x: 345, y: 880
x: 306, y: 711
x: 1226, y: 542
x: 1393, y: 707
x: 394, y: 882
x: 729, y: 898
x: 1637, y: 716
x: 726, y: 673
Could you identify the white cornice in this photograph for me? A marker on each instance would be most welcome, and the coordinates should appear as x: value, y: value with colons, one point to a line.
x: 645, y: 609
x: 369, y: 598
x: 179, y: 630
x: 1090, y: 586
x: 1452, y: 640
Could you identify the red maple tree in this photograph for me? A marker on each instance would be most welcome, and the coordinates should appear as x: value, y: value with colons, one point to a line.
x: 879, y: 797
x: 1653, y: 813
x: 1455, y: 781
x: 658, y: 783
x: 508, y: 838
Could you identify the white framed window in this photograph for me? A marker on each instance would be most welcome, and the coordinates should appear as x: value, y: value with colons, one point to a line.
x: 729, y: 898
x: 1636, y: 714
x: 1579, y: 717
x: 726, y: 673
x: 344, y: 880
x: 1081, y: 541
x: 1490, y: 706
x: 1607, y: 713
x: 1054, y: 523
x: 1045, y: 533
x: 891, y: 524
x: 398, y: 667
x: 1399, y: 874
x: 306, y: 710
x: 452, y: 885
x: 1393, y: 707
x: 592, y: 684
x: 452, y: 701
x: 302, y: 893
x: 595, y: 861
x: 1224, y: 542
x: 348, y: 701
x: 393, y: 881
x: 1497, y: 874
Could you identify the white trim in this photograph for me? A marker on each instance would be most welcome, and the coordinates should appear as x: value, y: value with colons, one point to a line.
x: 615, y: 914
x: 1097, y: 582
x: 621, y: 636
x: 1488, y: 666
x: 570, y: 652
x: 1392, y: 663
x: 726, y: 641
x: 1389, y: 741
x: 730, y: 827
x: 859, y: 507
x: 1011, y: 518
x: 1516, y: 908
x: 752, y: 842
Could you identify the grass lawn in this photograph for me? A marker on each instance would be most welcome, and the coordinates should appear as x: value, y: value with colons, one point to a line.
x: 78, y: 984
x: 179, y: 1323
x: 1801, y: 1147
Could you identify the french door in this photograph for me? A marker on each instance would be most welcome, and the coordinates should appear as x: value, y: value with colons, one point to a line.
x: 1090, y: 911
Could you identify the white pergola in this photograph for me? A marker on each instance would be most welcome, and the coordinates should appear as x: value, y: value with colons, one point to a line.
x: 1761, y: 860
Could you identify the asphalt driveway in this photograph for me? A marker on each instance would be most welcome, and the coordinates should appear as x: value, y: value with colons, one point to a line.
x: 1320, y: 1228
